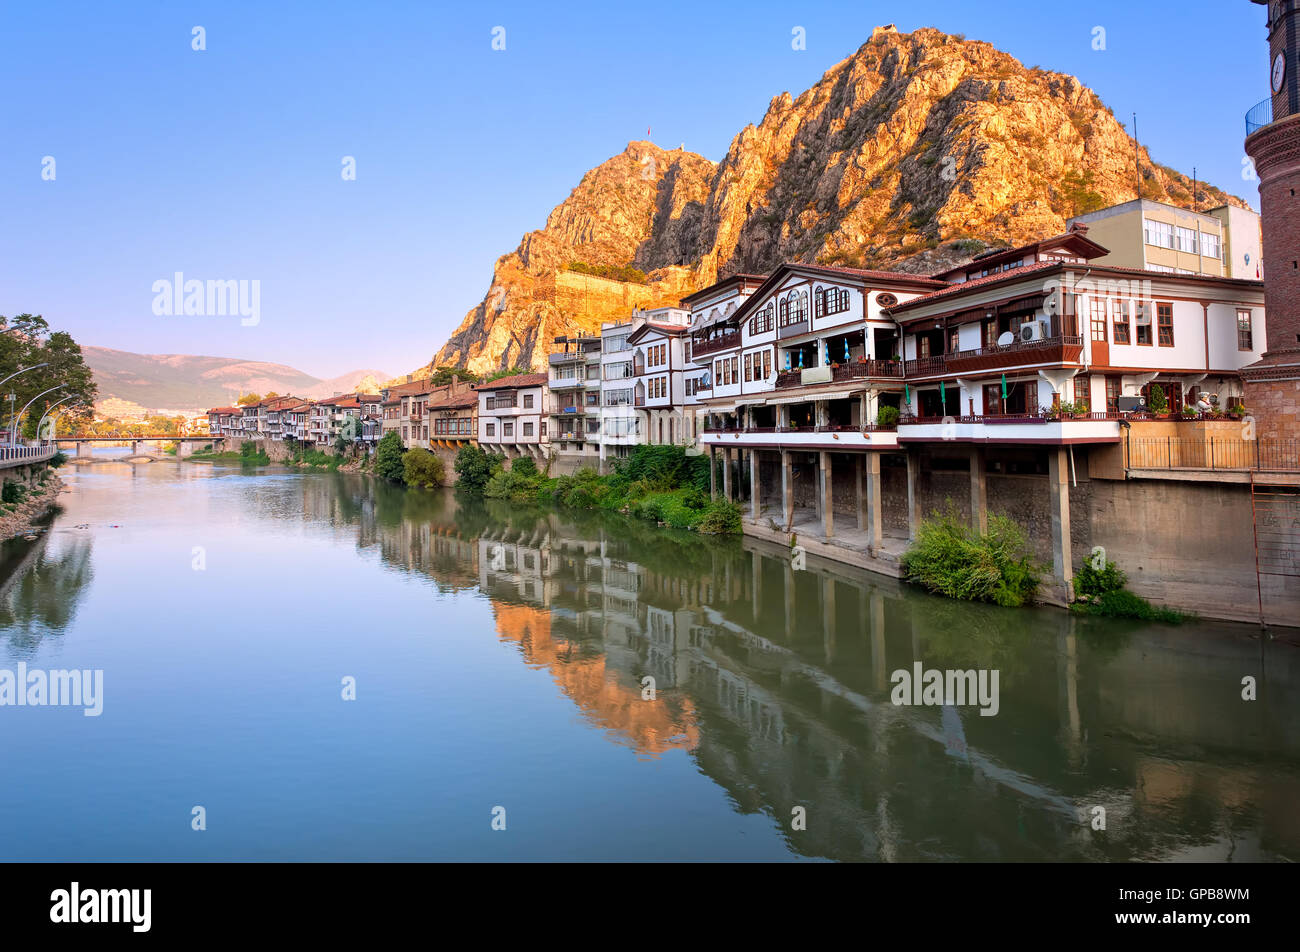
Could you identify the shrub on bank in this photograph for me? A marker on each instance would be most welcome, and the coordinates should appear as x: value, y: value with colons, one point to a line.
x: 1101, y: 591
x: 13, y: 492
x: 422, y: 468
x: 58, y: 459
x: 474, y: 467
x: 951, y: 559
x: 388, y: 458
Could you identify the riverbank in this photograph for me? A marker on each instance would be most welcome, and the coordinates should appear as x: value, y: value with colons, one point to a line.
x: 35, y: 504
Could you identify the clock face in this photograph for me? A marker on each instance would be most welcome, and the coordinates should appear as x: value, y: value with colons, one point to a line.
x: 1279, y: 72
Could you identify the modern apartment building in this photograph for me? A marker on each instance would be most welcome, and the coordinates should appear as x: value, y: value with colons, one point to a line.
x: 574, y: 387
x: 1153, y: 236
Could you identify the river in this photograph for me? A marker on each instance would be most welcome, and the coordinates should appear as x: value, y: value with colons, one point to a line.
x: 498, y: 658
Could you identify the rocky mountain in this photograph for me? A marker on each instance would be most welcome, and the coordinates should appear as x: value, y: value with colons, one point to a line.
x: 914, y: 153
x: 189, y: 383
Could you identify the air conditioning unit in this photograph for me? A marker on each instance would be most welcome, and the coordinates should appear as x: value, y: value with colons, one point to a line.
x: 1034, y: 330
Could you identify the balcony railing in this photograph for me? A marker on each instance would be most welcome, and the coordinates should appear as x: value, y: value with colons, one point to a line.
x: 1064, y: 348
x: 1044, y: 416
x: 1260, y: 115
x: 721, y: 342
x: 1275, y: 456
x: 825, y: 428
x: 793, y: 329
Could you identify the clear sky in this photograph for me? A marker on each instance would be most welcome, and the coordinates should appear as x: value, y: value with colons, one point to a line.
x: 226, y: 163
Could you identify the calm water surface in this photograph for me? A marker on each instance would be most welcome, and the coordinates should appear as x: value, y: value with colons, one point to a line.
x: 499, y: 655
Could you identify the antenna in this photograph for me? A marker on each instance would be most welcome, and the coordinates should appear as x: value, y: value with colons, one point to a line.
x: 1194, y: 183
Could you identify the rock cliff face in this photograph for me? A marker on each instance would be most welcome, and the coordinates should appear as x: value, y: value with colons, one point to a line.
x: 914, y: 153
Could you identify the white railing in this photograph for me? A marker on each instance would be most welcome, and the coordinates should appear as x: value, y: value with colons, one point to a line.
x: 29, y: 453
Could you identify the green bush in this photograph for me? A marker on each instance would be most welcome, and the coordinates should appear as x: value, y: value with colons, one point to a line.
x: 1125, y: 604
x: 474, y: 468
x: 59, y: 459
x: 422, y: 468
x: 518, y: 487
x: 1157, y: 401
x: 721, y: 518
x: 12, y: 492
x: 950, y: 559
x: 388, y: 458
x: 524, y: 466
x: 1089, y: 581
x: 887, y: 416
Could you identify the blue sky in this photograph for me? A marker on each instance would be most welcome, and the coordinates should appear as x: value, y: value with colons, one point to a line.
x: 225, y: 164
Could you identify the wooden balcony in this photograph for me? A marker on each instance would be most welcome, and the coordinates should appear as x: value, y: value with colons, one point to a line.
x: 792, y: 330
x: 1052, y: 350
x: 714, y: 344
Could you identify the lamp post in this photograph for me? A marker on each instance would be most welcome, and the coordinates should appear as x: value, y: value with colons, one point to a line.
x: 13, y: 423
x: 47, y: 413
x: 15, y: 374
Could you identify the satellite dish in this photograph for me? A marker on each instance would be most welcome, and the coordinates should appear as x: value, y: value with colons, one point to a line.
x: 1007, y: 339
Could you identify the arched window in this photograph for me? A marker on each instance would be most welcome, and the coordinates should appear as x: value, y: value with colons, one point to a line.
x: 784, y: 310
x: 819, y: 302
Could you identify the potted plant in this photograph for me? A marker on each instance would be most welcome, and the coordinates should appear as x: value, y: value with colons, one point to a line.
x: 1157, y: 402
x: 887, y: 416
x: 1189, y: 413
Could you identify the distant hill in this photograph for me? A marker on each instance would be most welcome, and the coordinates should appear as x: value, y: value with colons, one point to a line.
x: 185, y: 382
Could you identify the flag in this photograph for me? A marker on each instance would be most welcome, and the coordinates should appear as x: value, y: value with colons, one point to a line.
x: 907, y: 394
x: 943, y: 395
x: 1004, y: 386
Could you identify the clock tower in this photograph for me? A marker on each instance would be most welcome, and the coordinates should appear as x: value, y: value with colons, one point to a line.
x: 1272, y: 384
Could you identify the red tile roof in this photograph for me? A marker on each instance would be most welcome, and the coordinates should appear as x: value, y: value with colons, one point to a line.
x: 960, y: 286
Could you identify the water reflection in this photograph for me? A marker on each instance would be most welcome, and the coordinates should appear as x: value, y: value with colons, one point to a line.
x: 774, y: 682
x: 777, y: 683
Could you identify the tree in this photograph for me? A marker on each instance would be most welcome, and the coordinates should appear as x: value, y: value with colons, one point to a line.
x: 513, y: 371
x: 388, y: 458
x: 445, y: 375
x: 422, y: 468
x: 28, y: 342
x: 474, y: 468
x: 246, y: 398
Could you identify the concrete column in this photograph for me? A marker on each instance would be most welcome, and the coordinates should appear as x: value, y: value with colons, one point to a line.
x: 726, y: 474
x: 913, y: 494
x: 860, y: 490
x: 979, y: 490
x: 1058, y: 479
x: 713, y: 473
x: 827, y: 493
x: 787, y: 488
x: 754, y: 488
x: 875, y: 514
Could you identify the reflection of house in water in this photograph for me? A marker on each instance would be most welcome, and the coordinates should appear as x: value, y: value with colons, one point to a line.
x: 777, y: 681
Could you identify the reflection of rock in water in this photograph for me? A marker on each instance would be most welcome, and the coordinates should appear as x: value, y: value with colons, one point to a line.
x: 40, y: 592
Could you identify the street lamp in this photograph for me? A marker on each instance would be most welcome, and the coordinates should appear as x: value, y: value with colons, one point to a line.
x: 47, y: 413
x: 13, y: 423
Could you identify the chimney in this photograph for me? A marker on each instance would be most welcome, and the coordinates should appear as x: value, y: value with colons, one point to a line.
x: 410, y: 377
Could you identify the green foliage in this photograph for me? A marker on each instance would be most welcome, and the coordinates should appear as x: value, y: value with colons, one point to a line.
x: 524, y: 466
x: 1125, y: 604
x: 664, y: 467
x: 1076, y: 186
x: 12, y: 492
x: 1091, y: 581
x: 887, y: 416
x: 951, y: 559
x: 250, y: 453
x: 514, y: 485
x: 512, y: 372
x: 1157, y: 400
x: 624, y: 273
x: 422, y: 468
x: 58, y: 459
x: 314, y: 457
x: 721, y: 518
x: 445, y: 375
x: 474, y: 468
x: 388, y: 458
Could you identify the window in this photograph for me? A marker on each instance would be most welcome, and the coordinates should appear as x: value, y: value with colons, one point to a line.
x: 761, y: 322
x: 830, y: 301
x: 1185, y: 239
x: 1245, y: 337
x: 954, y: 340
x: 1119, y: 318
x: 735, y: 365
x: 1165, y: 324
x: 613, y: 344
x: 1083, y: 391
x: 528, y: 429
x: 1210, y: 246
x: 1142, y: 323
x: 1097, y: 309
x: 543, y: 428
x: 528, y: 401
x: 749, y: 367
x: 794, y: 308
x: 508, y: 428
x: 618, y: 370
x: 491, y: 429
x: 1114, y: 387
x: 767, y: 363
x: 1158, y: 233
